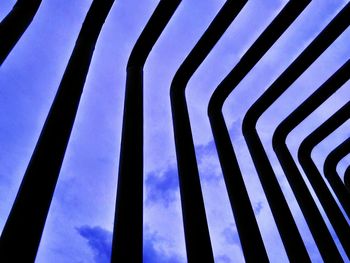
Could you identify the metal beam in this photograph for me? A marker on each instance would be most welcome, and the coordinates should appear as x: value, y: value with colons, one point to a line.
x: 15, y: 24
x: 23, y: 229
x: 314, y: 219
x: 246, y: 223
x: 330, y: 172
x: 128, y: 222
x: 347, y: 178
x: 195, y: 223
x: 333, y: 30
x: 327, y: 201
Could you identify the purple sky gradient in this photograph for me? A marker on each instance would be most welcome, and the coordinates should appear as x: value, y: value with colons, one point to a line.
x: 80, y: 221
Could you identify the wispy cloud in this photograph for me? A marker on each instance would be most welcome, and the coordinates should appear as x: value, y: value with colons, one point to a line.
x: 161, y: 186
x: 223, y: 259
x: 231, y: 235
x: 153, y: 254
x: 99, y: 240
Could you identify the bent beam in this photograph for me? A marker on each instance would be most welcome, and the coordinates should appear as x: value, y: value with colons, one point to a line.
x: 128, y: 222
x: 330, y: 206
x: 332, y: 31
x: 307, y: 204
x: 238, y: 195
x: 330, y: 172
x: 195, y: 223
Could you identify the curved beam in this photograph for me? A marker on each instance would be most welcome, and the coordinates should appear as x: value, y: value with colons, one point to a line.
x: 267, y: 176
x: 330, y: 172
x: 128, y: 222
x: 306, y: 202
x: 23, y: 229
x: 327, y: 201
x: 347, y: 178
x: 195, y: 223
x: 15, y: 24
x: 237, y: 192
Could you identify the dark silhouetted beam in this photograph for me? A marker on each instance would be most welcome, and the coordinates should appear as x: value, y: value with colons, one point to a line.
x: 347, y: 178
x: 23, y: 229
x: 313, y: 217
x: 327, y: 201
x: 330, y: 172
x: 334, y: 29
x: 15, y: 24
x: 240, y: 203
x: 195, y: 223
x: 128, y: 224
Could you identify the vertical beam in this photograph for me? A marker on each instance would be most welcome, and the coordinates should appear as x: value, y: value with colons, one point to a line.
x: 15, y: 24
x: 314, y: 219
x: 128, y: 224
x: 330, y: 172
x: 347, y: 178
x: 23, y: 229
x: 291, y: 238
x: 195, y: 223
x: 330, y: 206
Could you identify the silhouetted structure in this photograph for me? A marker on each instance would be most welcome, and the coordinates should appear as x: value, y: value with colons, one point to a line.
x: 347, y: 178
x: 307, y: 204
x: 22, y: 232
x: 330, y: 206
x: 195, y: 223
x: 127, y: 235
x: 25, y: 223
x: 330, y: 172
x: 15, y: 24
x: 283, y: 82
x: 289, y: 232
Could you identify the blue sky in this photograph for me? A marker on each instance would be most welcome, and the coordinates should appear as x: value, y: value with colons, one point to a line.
x: 80, y: 221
